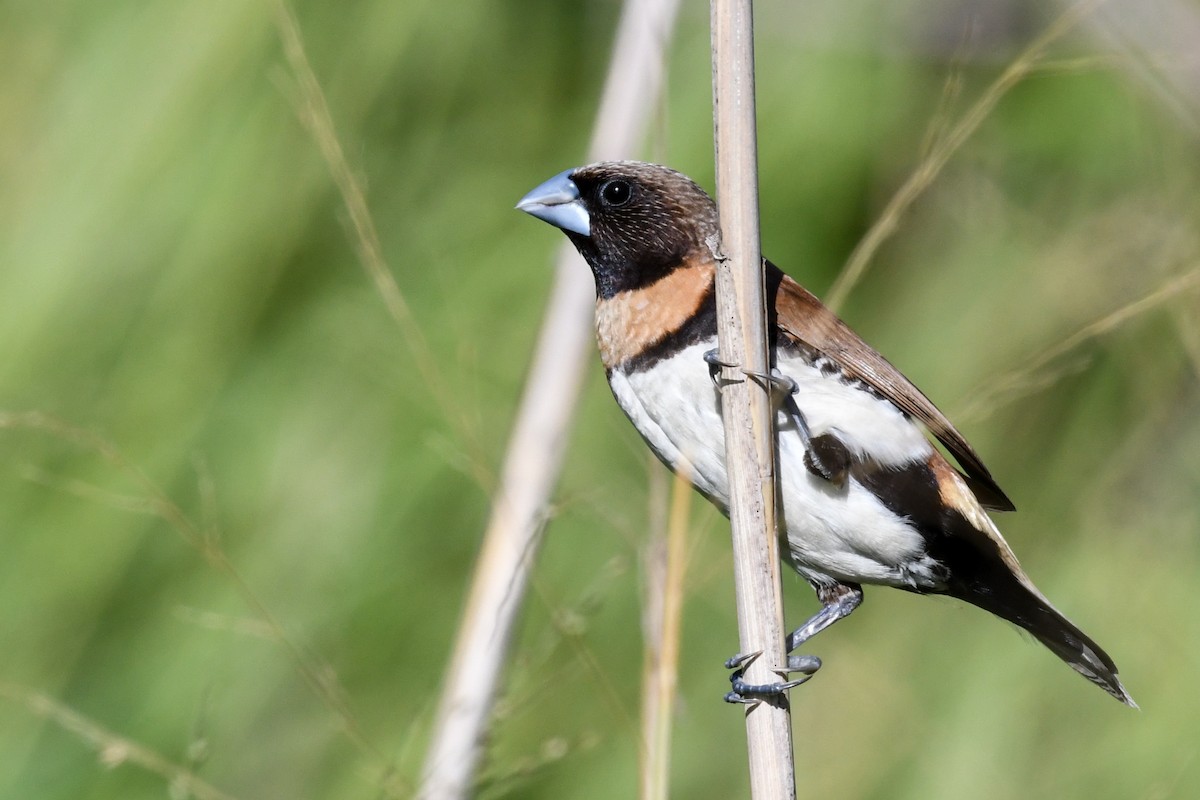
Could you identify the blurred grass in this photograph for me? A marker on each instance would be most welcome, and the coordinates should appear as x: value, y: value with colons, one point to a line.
x: 177, y: 276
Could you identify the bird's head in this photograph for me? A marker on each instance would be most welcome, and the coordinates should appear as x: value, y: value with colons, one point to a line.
x: 633, y: 222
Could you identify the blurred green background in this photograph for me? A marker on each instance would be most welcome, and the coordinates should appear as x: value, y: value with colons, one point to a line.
x: 178, y: 277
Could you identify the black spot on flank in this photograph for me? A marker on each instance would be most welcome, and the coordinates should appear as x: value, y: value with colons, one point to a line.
x: 827, y: 457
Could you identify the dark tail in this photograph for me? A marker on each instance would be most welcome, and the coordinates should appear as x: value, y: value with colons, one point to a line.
x: 1020, y: 603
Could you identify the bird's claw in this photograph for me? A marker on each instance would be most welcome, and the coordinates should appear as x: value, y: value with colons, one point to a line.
x: 749, y: 693
x: 715, y: 364
x: 741, y: 659
x: 775, y: 380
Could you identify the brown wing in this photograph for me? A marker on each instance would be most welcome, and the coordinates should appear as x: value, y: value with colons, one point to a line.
x: 802, y: 318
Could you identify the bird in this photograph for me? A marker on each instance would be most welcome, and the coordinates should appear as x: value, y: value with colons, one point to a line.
x: 864, y: 495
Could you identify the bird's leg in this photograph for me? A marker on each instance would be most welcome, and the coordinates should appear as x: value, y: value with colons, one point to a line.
x: 838, y: 600
x: 825, y: 456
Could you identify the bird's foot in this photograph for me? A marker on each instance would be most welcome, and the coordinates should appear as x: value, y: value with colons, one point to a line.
x: 748, y: 693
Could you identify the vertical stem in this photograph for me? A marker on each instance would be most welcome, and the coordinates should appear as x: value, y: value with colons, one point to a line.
x: 666, y: 565
x: 536, y: 450
x: 746, y: 404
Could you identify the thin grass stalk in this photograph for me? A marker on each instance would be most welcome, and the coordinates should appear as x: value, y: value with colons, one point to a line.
x: 666, y: 569
x: 654, y: 575
x: 1158, y: 50
x: 112, y: 748
x: 535, y: 452
x: 746, y: 404
x: 314, y: 114
x: 205, y: 540
x: 1039, y: 371
x: 940, y: 153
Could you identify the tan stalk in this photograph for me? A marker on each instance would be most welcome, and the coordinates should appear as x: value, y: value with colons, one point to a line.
x: 666, y: 566
x: 535, y: 452
x: 746, y: 404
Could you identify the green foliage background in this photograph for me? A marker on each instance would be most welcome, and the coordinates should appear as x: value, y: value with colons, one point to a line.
x: 177, y: 276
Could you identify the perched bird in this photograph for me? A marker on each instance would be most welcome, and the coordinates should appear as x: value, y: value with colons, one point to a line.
x: 864, y: 496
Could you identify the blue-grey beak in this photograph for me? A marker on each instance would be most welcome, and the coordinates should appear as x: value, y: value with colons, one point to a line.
x: 557, y: 201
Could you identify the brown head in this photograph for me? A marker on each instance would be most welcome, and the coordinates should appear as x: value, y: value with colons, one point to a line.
x: 633, y: 222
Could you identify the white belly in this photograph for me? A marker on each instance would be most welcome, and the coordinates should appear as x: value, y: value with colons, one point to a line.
x: 844, y: 533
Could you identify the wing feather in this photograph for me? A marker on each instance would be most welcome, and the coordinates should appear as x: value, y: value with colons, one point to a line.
x: 802, y: 318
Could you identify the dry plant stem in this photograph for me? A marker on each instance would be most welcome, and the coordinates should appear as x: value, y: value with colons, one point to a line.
x: 745, y: 404
x: 314, y: 114
x: 112, y: 748
x: 1189, y: 334
x: 666, y: 567
x: 1037, y: 372
x: 535, y: 452
x: 1171, y: 73
x: 931, y: 166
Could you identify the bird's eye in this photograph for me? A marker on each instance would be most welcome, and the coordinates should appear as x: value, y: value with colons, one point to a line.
x: 616, y: 193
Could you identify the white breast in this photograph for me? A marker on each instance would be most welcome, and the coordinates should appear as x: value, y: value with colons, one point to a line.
x: 845, y: 532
